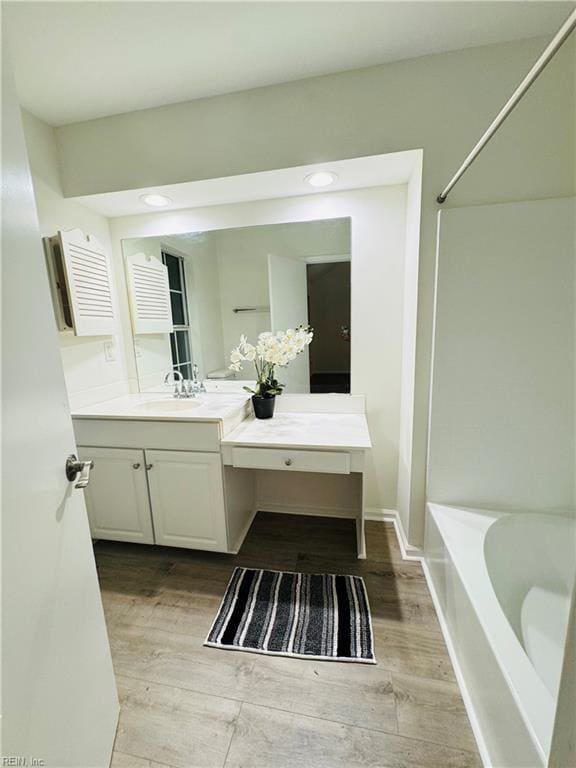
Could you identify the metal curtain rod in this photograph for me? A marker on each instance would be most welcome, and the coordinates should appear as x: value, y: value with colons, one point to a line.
x: 560, y: 37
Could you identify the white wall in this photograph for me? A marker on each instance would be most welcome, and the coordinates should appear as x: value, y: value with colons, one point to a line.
x: 378, y: 230
x: 243, y: 274
x: 89, y: 377
x: 441, y: 103
x: 502, y: 408
x: 411, y: 492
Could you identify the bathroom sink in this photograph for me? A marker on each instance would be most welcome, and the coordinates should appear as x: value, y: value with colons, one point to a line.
x: 167, y: 406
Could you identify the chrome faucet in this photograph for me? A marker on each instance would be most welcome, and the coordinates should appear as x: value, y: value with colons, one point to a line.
x: 196, y: 385
x: 178, y: 382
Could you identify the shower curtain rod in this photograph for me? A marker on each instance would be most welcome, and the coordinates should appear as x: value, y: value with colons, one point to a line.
x: 547, y: 54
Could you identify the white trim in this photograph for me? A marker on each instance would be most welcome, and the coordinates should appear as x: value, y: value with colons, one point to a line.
x: 327, y: 258
x: 409, y: 551
x: 379, y: 515
x: 460, y: 679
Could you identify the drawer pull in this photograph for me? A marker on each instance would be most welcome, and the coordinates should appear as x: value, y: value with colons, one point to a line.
x: 288, y: 462
x: 136, y: 466
x: 149, y: 466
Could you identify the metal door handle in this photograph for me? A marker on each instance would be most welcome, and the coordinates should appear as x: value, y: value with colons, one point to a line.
x: 288, y: 462
x: 136, y: 466
x: 75, y: 467
x: 149, y: 466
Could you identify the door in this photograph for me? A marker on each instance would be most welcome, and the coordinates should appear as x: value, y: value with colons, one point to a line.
x: 289, y: 308
x: 117, y: 495
x: 187, y: 496
x: 58, y: 698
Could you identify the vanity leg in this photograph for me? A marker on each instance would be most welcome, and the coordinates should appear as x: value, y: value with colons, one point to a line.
x: 360, y: 537
x: 360, y: 533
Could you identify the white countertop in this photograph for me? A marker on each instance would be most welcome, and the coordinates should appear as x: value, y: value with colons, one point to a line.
x: 337, y: 431
x: 206, y: 407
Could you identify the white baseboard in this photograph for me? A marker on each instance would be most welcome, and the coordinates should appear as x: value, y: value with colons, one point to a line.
x: 409, y: 551
x: 379, y: 515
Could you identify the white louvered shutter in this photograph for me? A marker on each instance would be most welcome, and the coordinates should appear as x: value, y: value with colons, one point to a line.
x: 149, y: 294
x: 89, y: 281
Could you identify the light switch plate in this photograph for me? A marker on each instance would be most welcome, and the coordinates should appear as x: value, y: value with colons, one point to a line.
x: 109, y: 351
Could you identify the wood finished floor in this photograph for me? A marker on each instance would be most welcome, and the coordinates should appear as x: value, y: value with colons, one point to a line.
x: 186, y: 706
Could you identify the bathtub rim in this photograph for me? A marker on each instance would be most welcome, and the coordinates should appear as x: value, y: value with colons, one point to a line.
x: 534, y: 702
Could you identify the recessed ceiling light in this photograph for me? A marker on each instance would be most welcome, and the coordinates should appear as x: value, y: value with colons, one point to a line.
x: 156, y: 201
x: 321, y: 178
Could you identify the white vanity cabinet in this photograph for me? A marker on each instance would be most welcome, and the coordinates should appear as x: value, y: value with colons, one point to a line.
x: 193, y: 474
x: 175, y: 498
x: 187, y: 498
x: 117, y: 495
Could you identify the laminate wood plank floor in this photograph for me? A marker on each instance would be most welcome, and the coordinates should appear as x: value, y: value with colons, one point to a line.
x: 186, y: 706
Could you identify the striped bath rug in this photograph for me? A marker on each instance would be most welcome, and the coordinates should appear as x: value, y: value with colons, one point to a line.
x: 309, y: 616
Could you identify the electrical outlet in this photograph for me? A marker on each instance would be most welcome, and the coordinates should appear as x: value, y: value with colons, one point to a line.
x: 109, y: 351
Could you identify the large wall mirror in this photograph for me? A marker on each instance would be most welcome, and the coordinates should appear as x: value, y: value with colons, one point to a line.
x: 228, y: 282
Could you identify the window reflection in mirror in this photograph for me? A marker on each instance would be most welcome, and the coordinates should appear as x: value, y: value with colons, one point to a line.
x: 225, y: 283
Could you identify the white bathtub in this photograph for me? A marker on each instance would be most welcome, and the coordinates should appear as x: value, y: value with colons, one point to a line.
x: 502, y: 585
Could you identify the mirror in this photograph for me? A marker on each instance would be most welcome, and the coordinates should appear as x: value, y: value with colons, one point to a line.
x: 228, y: 282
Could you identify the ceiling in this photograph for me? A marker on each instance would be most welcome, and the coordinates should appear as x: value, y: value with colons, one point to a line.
x: 77, y: 61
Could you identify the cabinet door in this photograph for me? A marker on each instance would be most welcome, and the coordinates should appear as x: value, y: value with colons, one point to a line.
x: 187, y: 496
x: 117, y: 495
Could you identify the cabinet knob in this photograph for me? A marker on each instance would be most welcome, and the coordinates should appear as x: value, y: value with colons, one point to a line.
x: 136, y: 466
x: 149, y: 466
x: 288, y: 462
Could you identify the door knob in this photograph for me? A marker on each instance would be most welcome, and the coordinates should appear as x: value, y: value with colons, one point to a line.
x: 75, y: 467
x: 136, y: 466
x: 288, y: 462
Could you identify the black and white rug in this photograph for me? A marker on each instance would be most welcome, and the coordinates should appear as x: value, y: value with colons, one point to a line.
x: 309, y: 616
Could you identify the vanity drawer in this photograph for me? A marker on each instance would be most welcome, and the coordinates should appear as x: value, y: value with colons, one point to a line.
x: 333, y: 462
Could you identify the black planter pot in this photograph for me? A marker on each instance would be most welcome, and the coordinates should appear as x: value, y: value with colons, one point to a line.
x: 263, y: 406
